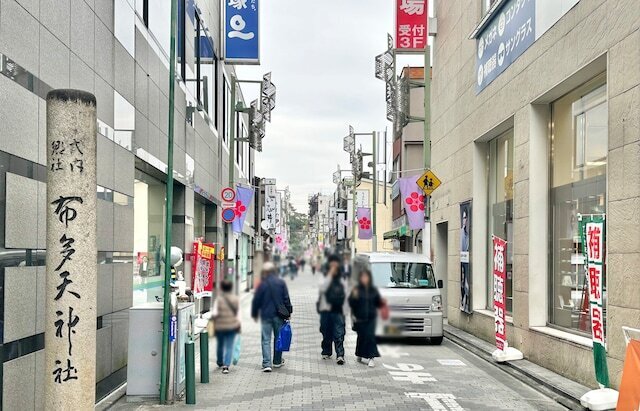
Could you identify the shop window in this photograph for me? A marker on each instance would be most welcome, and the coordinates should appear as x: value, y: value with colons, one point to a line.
x: 578, y: 173
x: 124, y: 121
x: 149, y: 224
x: 500, y: 209
x: 124, y: 25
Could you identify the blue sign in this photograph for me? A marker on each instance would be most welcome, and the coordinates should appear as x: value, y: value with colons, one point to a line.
x: 241, y: 34
x: 173, y: 328
x: 511, y: 31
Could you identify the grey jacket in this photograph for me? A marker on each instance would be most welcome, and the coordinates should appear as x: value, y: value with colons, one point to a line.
x: 226, y: 320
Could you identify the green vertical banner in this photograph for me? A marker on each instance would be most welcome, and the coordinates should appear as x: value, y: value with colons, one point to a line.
x: 592, y: 233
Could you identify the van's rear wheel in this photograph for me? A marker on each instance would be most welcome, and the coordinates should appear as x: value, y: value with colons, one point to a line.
x: 436, y: 340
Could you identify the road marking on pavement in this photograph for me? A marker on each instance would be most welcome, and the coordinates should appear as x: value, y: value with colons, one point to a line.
x: 391, y: 351
x: 437, y: 401
x: 410, y: 373
x: 452, y: 362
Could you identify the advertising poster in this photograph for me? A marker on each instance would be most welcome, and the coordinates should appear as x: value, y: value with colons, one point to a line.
x: 499, y: 289
x: 202, y: 269
x: 465, y: 261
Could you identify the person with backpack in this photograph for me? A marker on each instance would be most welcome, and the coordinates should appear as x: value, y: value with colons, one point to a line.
x: 271, y: 303
x: 227, y: 324
x: 331, y: 304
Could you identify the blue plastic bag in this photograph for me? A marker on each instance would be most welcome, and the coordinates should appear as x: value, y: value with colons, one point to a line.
x: 237, y: 347
x: 283, y: 343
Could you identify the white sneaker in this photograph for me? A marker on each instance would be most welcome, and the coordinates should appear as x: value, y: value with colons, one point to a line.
x: 279, y: 365
x: 340, y: 361
x: 371, y: 363
x: 266, y: 369
x: 326, y: 357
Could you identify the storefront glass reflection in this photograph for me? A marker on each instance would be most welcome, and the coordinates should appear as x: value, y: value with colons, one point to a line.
x: 578, y: 186
x: 149, y: 222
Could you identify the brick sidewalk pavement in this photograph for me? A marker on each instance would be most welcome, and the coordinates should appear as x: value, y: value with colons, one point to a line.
x: 306, y: 382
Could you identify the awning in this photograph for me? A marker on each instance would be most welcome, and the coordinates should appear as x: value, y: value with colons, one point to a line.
x: 402, y: 231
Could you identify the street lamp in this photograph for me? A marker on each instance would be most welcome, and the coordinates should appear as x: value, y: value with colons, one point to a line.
x: 357, y: 170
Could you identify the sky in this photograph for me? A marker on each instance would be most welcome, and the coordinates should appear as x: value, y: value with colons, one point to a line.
x: 321, y: 55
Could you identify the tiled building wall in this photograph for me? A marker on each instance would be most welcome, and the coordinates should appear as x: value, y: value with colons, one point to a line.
x: 71, y: 43
x: 594, y: 36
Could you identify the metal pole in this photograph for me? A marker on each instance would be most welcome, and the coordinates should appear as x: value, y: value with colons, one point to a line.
x: 232, y: 166
x: 374, y: 136
x: 426, y: 233
x: 204, y: 356
x: 190, y: 372
x: 168, y: 212
x: 353, y: 215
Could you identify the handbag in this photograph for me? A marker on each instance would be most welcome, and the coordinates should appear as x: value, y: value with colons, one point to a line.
x: 283, y: 343
x: 237, y: 347
x: 281, y: 310
x: 384, y: 311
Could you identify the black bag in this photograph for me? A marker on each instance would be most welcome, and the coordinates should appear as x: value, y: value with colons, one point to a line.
x: 281, y: 310
x: 335, y: 294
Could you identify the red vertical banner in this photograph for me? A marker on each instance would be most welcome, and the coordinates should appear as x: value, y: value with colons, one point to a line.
x: 202, y: 269
x: 411, y: 24
x: 499, y: 299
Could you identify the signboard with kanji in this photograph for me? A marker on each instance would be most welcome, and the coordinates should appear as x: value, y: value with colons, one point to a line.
x: 202, y: 269
x: 592, y: 233
x: 411, y: 24
x: 428, y: 182
x: 499, y: 289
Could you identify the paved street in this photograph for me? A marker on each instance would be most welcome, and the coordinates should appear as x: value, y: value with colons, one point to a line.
x: 407, y: 377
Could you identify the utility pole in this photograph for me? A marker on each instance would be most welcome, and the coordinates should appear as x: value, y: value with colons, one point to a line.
x: 375, y: 192
x: 426, y: 233
x: 166, y: 304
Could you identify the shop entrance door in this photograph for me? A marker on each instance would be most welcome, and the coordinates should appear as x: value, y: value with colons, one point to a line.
x: 442, y: 260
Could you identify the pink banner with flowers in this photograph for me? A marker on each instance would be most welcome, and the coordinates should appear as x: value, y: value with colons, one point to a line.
x: 365, y: 226
x: 413, y: 202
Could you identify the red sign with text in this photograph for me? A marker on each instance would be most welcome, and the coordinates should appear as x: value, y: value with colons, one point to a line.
x: 411, y: 24
x: 202, y: 269
x: 499, y: 289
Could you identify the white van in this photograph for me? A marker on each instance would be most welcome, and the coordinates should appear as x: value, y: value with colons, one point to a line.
x: 407, y: 282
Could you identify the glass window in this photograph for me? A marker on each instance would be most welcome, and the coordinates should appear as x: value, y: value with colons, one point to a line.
x: 500, y: 211
x: 578, y: 175
x: 403, y: 275
x: 160, y: 24
x: 149, y: 221
x: 124, y: 120
x: 198, y: 219
x: 124, y: 25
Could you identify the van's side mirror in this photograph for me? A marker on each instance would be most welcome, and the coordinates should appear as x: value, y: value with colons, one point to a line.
x: 440, y: 284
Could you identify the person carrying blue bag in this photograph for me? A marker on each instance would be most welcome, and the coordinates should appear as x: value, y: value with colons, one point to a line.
x: 271, y: 303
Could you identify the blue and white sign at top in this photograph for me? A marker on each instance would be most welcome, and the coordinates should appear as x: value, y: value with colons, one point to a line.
x: 242, y: 31
x: 511, y: 31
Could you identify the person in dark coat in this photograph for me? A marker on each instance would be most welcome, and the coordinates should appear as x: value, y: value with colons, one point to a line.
x: 365, y: 300
x: 271, y: 293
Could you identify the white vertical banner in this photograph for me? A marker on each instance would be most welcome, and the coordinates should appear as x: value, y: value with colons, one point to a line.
x: 278, y: 213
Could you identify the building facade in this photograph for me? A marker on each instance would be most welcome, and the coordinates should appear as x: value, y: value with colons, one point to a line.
x: 535, y: 123
x: 407, y: 159
x: 117, y: 50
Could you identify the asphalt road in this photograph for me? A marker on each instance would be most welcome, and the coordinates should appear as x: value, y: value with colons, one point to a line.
x: 409, y: 376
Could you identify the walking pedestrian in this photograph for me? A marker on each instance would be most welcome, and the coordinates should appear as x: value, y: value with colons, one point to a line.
x: 271, y: 303
x: 365, y: 300
x: 227, y: 324
x: 331, y: 302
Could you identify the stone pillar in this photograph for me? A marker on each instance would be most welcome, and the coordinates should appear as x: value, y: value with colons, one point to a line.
x: 70, y: 321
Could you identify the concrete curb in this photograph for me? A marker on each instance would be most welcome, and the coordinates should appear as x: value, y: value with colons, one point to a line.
x: 562, y: 390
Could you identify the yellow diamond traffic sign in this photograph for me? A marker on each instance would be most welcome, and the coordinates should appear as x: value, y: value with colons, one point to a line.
x: 428, y: 182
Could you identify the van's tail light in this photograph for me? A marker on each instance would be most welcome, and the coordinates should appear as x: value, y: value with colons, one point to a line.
x: 436, y: 303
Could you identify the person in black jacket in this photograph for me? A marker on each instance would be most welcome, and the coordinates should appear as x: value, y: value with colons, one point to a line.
x: 331, y: 301
x: 270, y: 300
x: 365, y: 300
